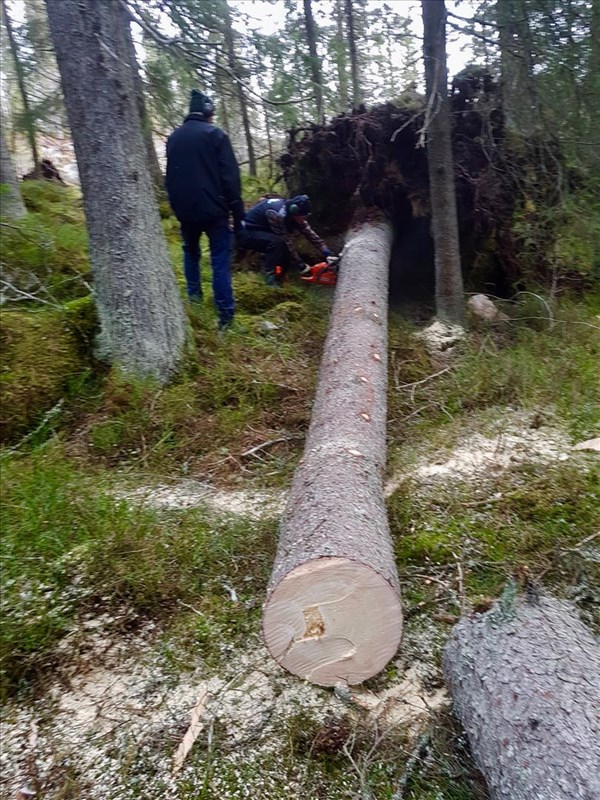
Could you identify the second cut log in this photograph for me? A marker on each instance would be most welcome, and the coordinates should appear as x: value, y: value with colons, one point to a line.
x: 525, y: 681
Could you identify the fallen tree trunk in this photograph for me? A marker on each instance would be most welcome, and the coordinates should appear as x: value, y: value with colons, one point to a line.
x: 525, y: 680
x: 333, y: 611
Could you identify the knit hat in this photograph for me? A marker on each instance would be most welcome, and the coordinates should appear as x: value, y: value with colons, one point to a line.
x: 201, y: 104
x: 299, y: 205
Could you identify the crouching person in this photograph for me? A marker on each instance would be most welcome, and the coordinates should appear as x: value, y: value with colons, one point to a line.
x: 268, y: 228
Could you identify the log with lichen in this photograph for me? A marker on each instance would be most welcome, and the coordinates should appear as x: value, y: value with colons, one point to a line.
x: 333, y: 610
x: 525, y: 682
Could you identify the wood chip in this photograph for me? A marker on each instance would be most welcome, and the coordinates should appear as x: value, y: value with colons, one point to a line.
x: 192, y: 733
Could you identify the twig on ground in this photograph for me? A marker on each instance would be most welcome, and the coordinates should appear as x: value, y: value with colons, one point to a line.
x: 46, y: 419
x: 424, y: 380
x: 464, y: 603
x: 418, y: 755
x: 580, y: 544
x: 413, y: 386
x: 232, y: 592
x: 21, y: 295
x: 191, y: 608
x: 192, y: 733
x: 269, y: 443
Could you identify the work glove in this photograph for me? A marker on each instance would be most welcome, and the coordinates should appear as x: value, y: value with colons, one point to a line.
x: 303, y: 269
x: 326, y: 252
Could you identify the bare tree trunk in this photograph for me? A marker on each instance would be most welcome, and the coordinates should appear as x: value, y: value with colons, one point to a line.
x: 143, y: 327
x: 156, y: 175
x: 340, y: 55
x: 356, y: 98
x: 223, y: 99
x: 519, y: 92
x: 314, y: 58
x: 525, y: 680
x: 592, y: 77
x: 333, y: 611
x: 12, y: 204
x: 46, y: 79
x: 449, y: 296
x: 31, y: 135
x: 269, y: 138
x: 233, y: 66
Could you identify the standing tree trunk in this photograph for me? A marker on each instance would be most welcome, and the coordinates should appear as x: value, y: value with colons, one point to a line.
x: 153, y: 166
x: 449, y: 298
x: 333, y: 612
x: 339, y: 46
x: 143, y: 327
x: 592, y: 76
x: 519, y: 93
x: 525, y: 680
x: 220, y: 85
x: 233, y: 66
x: 314, y: 58
x: 340, y: 55
x: 353, y: 55
x: 29, y: 122
x: 12, y: 204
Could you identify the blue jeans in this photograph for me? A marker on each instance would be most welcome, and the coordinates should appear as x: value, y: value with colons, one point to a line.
x: 219, y: 237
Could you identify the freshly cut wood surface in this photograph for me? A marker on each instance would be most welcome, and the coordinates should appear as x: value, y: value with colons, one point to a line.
x: 525, y: 681
x: 333, y: 610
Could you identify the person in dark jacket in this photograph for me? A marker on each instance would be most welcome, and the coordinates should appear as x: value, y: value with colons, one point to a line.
x: 203, y: 184
x: 268, y: 228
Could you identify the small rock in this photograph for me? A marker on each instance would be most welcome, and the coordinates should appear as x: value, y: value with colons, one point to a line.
x: 268, y: 326
x: 481, y: 306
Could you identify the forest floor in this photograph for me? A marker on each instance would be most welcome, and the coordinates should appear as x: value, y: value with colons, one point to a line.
x: 140, y: 524
x: 108, y: 724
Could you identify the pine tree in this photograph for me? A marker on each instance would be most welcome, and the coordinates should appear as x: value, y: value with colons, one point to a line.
x: 143, y: 327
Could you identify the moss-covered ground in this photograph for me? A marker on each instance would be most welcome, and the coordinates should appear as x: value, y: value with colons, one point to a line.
x: 73, y: 552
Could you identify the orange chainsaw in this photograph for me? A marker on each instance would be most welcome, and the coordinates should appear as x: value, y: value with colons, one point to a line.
x: 325, y: 273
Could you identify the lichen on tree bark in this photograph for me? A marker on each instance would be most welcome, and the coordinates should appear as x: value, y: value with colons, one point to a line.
x: 525, y: 681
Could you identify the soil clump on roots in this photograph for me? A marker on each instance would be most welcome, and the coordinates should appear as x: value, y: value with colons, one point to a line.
x: 376, y: 159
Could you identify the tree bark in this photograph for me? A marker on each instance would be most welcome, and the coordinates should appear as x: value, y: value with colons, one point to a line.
x: 333, y: 611
x: 353, y: 55
x: 220, y: 85
x: 12, y: 205
x: 143, y: 327
x: 233, y: 66
x: 449, y: 298
x: 314, y: 58
x: 156, y: 175
x: 22, y: 89
x: 525, y: 680
x: 340, y: 55
x: 592, y: 77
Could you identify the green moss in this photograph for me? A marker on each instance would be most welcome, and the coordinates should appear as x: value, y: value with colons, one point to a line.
x: 53, y: 200
x: 45, y: 253
x: 68, y: 546
x: 533, y: 513
x: 42, y: 353
x: 253, y: 296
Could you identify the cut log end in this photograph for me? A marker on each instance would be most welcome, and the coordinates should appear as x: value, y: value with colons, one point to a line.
x: 333, y: 620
